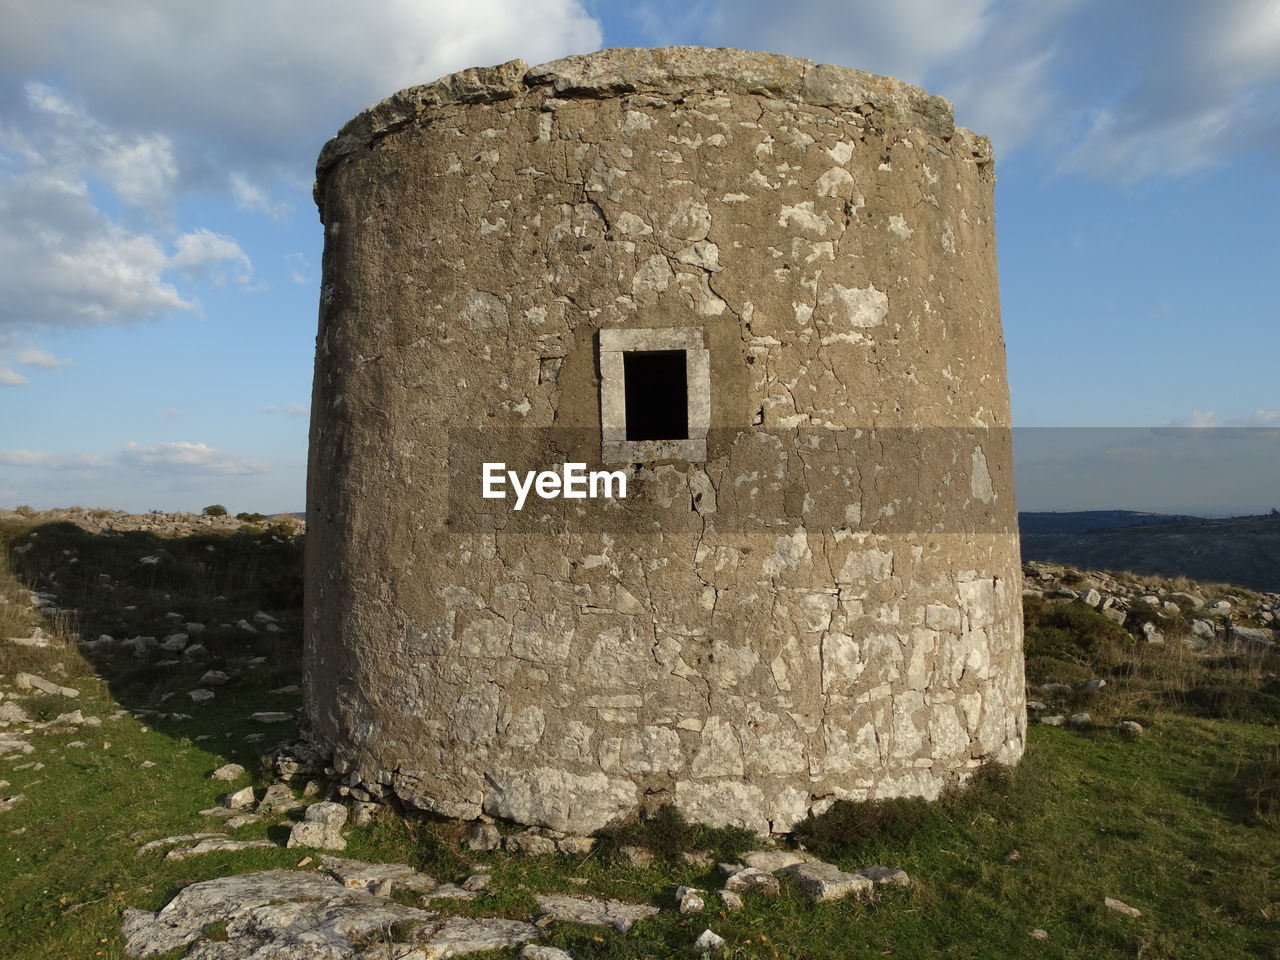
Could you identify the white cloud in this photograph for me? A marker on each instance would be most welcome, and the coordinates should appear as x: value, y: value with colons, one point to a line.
x: 52, y: 461
x: 202, y: 252
x: 1207, y: 418
x: 172, y: 413
x: 1203, y: 85
x: 139, y: 168
x: 1197, y: 418
x: 10, y: 377
x: 170, y: 97
x: 1108, y: 90
x: 184, y: 457
x: 251, y: 197
x: 254, y: 87
x: 35, y: 357
x: 299, y: 268
x: 292, y: 409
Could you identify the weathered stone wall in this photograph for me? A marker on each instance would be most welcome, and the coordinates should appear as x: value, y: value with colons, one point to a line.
x: 826, y: 607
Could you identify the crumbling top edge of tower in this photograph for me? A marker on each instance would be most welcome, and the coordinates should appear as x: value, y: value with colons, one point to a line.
x: 663, y: 70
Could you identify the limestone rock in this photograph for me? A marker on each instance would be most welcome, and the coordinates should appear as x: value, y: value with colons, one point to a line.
x: 618, y: 914
x: 215, y: 846
x: 574, y: 846
x: 638, y: 857
x: 364, y: 812
x: 242, y: 799
x: 164, y: 842
x: 729, y: 900
x: 1253, y: 636
x: 822, y: 882
x: 320, y: 828
x: 484, y: 836
x: 690, y: 900
x: 533, y: 951
x: 8, y: 803
x: 10, y: 712
x: 278, y: 797
x: 752, y: 880
x: 200, y: 695
x: 228, y: 772
x: 531, y: 843
x: 270, y: 915
x: 456, y: 936
x: 771, y: 861
x: 886, y: 875
x: 271, y: 716
x: 29, y: 681
x: 1055, y: 721
x: 1080, y: 720
x: 214, y: 678
x: 1130, y: 729
x: 1119, y: 906
x: 380, y: 878
x: 708, y: 942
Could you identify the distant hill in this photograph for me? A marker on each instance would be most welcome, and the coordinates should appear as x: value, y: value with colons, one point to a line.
x: 1075, y: 521
x: 1242, y: 550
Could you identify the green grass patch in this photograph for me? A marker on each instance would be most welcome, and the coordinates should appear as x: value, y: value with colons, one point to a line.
x: 1180, y: 824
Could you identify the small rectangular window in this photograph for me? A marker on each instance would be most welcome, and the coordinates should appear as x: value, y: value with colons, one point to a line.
x: 657, y: 394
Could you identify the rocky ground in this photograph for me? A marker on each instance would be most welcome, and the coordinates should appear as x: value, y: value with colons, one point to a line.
x: 156, y: 801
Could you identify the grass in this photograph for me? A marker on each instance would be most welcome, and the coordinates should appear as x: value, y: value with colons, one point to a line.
x: 1181, y: 824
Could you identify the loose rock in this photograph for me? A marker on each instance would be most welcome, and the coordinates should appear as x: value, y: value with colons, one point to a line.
x: 886, y: 875
x: 618, y: 914
x: 228, y: 772
x: 242, y: 799
x: 690, y: 900
x: 215, y: 846
x: 751, y: 880
x: 1119, y: 906
x: 484, y: 836
x: 1130, y: 729
x: 823, y: 882
x: 271, y: 716
x: 708, y: 942
x: 321, y: 828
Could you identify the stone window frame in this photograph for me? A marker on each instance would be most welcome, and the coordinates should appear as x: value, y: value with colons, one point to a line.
x: 614, y: 445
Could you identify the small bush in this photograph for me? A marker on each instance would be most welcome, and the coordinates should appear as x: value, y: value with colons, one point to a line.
x: 1074, y: 633
x: 666, y: 834
x: 215, y: 510
x: 1265, y: 793
x: 251, y: 517
x: 851, y: 824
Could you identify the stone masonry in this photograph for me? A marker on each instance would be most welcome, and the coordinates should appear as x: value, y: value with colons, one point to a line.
x: 811, y: 591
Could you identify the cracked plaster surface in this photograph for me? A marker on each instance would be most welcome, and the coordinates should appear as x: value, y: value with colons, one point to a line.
x: 827, y: 607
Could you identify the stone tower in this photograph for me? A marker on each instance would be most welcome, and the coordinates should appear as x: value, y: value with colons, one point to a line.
x: 760, y: 292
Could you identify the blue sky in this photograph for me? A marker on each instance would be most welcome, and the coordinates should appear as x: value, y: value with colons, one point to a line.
x: 159, y: 248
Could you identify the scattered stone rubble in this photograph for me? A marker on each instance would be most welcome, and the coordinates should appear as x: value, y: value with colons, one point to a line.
x: 1151, y: 609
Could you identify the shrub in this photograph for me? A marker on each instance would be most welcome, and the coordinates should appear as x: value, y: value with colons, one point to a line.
x: 1265, y: 793
x: 215, y: 510
x: 1074, y: 633
x: 251, y: 517
x: 667, y: 835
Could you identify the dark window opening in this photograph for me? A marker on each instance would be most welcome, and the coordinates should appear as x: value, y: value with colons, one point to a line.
x: 657, y: 395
